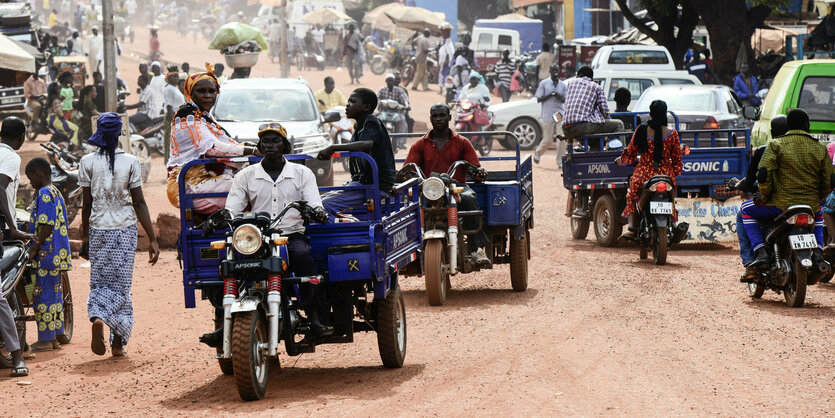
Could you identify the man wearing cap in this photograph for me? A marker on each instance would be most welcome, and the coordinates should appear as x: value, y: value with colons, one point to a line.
x: 92, y: 47
x: 421, y: 53
x: 34, y: 90
x: 156, y: 101
x: 269, y: 187
x: 393, y: 92
x: 76, y: 43
x: 446, y: 52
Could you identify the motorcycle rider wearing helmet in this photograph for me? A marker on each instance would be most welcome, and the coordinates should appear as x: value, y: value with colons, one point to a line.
x: 795, y: 170
x: 269, y: 187
x: 436, y: 152
x: 748, y: 185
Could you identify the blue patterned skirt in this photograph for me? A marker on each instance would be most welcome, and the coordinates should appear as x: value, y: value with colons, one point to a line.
x: 112, y: 254
x: 49, y: 304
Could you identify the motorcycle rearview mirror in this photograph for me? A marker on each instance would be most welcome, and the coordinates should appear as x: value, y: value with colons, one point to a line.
x: 331, y: 117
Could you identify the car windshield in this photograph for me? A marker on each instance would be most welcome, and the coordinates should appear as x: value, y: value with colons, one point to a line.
x: 679, y: 100
x: 262, y: 105
x: 817, y: 98
x: 638, y: 57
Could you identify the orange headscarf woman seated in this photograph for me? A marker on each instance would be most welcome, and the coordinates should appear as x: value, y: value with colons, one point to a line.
x: 195, y: 134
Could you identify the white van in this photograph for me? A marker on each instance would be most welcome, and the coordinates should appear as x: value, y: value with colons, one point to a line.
x: 298, y: 8
x: 633, y: 58
x: 638, y: 81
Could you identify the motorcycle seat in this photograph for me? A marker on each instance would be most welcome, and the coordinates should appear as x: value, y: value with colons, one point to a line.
x: 655, y: 180
x: 11, y: 255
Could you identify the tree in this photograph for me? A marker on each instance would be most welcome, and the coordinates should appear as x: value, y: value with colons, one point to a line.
x: 674, y: 27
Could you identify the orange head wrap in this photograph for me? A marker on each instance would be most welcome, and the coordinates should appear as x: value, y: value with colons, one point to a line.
x: 195, y: 78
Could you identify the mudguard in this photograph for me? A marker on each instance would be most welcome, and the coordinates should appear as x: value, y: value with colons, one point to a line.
x: 662, y: 220
x: 247, y: 304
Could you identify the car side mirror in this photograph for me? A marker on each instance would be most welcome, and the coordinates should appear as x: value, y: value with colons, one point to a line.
x: 331, y: 117
x: 750, y: 112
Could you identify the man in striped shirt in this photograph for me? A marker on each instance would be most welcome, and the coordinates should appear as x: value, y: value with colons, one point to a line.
x: 504, y: 73
x: 586, y: 109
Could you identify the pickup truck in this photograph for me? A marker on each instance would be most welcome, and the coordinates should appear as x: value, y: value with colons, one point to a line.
x: 598, y: 186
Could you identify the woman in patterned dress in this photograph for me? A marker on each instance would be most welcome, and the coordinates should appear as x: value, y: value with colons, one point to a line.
x: 195, y: 134
x: 660, y: 149
x: 111, y: 183
x: 49, y: 253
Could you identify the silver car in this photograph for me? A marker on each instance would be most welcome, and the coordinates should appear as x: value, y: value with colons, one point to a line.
x: 245, y: 104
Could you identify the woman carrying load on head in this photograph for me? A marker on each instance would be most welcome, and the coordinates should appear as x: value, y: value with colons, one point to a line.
x: 195, y: 134
x: 660, y: 154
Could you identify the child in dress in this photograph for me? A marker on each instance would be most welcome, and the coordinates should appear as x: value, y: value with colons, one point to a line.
x: 49, y: 254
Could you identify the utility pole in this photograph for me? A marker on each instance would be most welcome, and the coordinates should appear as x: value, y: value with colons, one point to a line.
x: 285, y: 60
x: 109, y: 52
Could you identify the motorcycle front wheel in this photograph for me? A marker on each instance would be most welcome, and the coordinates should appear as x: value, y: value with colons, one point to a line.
x: 249, y: 360
x: 378, y: 66
x: 436, y: 272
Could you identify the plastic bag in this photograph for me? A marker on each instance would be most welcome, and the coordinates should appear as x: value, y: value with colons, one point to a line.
x: 235, y: 33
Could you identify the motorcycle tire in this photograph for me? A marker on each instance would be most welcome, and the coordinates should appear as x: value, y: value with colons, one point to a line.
x: 249, y: 362
x: 755, y: 291
x: 390, y: 318
x: 795, y: 291
x: 17, y: 310
x: 436, y: 272
x: 659, y: 250
x: 378, y: 66
x: 66, y: 293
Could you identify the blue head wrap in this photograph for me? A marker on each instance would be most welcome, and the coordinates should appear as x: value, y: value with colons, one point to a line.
x: 109, y: 127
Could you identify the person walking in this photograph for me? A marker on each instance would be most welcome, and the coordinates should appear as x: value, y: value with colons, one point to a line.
x: 350, y: 51
x: 550, y: 94
x: 504, y: 75
x: 544, y: 61
x: 446, y: 53
x: 421, y: 54
x: 111, y: 183
x: 49, y: 254
x: 92, y: 46
x: 746, y: 87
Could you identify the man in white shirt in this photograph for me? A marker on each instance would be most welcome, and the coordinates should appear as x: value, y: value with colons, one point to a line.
x: 131, y: 5
x: 269, y: 187
x: 12, y: 135
x: 475, y: 91
x: 173, y: 100
x: 156, y: 101
x: 92, y: 47
x: 445, y: 54
x: 318, y: 35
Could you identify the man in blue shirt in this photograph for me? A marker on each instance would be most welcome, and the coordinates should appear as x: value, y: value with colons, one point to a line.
x: 746, y: 87
x: 551, y: 95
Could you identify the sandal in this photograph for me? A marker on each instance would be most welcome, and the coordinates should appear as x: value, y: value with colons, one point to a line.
x: 42, y: 346
x: 118, y: 351
x: 21, y: 371
x: 629, y: 235
x: 97, y: 344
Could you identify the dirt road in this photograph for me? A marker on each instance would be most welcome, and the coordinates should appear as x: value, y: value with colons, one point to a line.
x: 598, y: 332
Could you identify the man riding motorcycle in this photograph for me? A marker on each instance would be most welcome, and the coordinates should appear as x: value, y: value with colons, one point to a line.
x: 34, y: 90
x: 392, y: 92
x: 795, y: 170
x: 436, y: 152
x: 268, y: 187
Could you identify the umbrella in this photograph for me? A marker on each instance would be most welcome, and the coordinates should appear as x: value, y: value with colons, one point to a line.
x: 13, y: 57
x: 416, y: 18
x: 382, y: 22
x: 513, y: 16
x: 380, y: 11
x: 324, y: 16
x: 273, y: 3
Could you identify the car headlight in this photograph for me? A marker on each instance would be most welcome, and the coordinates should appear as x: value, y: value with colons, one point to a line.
x: 247, y: 239
x: 433, y: 188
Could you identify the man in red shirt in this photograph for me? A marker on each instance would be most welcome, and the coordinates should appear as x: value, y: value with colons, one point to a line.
x: 436, y: 152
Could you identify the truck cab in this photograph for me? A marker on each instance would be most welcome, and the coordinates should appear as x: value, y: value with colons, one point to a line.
x: 489, y: 43
x: 804, y: 84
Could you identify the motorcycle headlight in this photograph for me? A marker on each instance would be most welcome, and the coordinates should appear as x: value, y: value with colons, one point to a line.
x: 247, y: 239
x: 433, y: 188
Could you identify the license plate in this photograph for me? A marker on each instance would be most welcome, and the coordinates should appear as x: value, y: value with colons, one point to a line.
x: 11, y: 100
x: 803, y: 242
x: 661, y: 208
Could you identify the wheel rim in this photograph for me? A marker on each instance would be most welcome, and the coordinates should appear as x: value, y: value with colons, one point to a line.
x: 400, y: 323
x: 258, y: 354
x: 752, y: 288
x: 604, y: 223
x: 526, y: 134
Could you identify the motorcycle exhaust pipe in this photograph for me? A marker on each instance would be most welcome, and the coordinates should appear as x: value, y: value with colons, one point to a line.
x: 274, y: 302
x: 680, y: 232
x: 229, y: 290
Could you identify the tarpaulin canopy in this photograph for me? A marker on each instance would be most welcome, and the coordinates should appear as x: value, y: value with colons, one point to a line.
x: 324, y: 16
x: 13, y: 57
x: 513, y: 17
x: 416, y: 18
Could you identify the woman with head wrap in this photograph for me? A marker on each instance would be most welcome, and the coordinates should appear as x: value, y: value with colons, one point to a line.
x: 660, y: 151
x: 195, y: 134
x: 111, y: 183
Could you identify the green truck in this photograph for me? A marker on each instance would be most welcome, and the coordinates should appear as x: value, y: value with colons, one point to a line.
x: 805, y: 84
